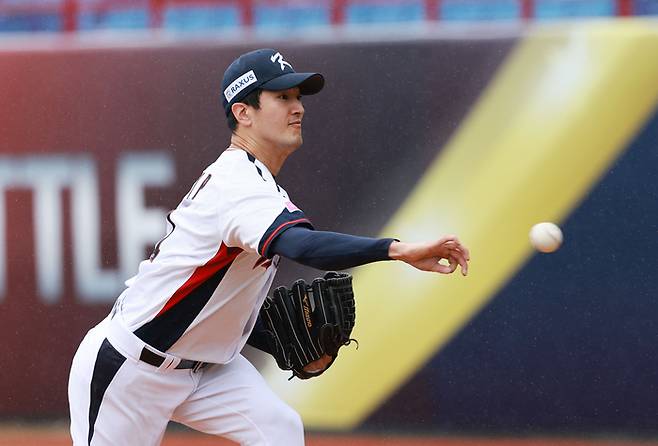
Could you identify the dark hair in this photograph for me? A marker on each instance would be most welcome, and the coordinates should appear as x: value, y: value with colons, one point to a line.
x: 252, y: 99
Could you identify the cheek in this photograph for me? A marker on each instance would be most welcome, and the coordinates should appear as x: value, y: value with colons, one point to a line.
x: 277, y: 119
x: 272, y: 120
x: 270, y: 125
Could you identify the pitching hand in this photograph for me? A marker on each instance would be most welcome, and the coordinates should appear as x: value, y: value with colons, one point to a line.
x: 426, y: 256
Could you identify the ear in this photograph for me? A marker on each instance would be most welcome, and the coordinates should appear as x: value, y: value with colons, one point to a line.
x: 241, y: 113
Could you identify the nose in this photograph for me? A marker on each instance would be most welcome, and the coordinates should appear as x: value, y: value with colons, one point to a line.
x: 298, y: 108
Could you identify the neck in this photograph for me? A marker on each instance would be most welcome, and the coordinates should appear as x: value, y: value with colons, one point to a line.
x: 273, y: 158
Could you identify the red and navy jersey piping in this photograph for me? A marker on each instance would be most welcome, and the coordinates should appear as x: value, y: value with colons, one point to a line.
x: 187, y: 302
x: 285, y: 220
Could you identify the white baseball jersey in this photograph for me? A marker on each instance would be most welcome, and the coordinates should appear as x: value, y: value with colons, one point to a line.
x: 198, y: 295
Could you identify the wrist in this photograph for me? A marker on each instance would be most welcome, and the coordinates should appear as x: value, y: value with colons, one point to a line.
x: 395, y: 250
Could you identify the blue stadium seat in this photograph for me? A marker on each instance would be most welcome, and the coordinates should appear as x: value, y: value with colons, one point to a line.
x: 646, y: 7
x: 133, y: 18
x: 401, y: 11
x: 30, y: 22
x: 556, y: 9
x: 480, y: 10
x: 291, y: 16
x: 30, y: 15
x: 199, y: 18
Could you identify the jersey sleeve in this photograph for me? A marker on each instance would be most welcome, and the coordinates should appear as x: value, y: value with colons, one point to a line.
x: 256, y: 213
x: 285, y: 220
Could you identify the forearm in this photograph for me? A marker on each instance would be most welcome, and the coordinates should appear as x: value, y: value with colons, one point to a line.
x: 330, y: 250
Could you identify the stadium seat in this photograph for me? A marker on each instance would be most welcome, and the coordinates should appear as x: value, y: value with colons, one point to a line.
x: 291, y: 15
x: 480, y: 10
x: 557, y: 9
x: 30, y: 15
x: 370, y: 12
x: 646, y: 7
x: 199, y: 18
x: 130, y: 18
x: 30, y: 22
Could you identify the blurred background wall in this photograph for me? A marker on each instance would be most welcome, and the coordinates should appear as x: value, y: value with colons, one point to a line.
x: 472, y: 117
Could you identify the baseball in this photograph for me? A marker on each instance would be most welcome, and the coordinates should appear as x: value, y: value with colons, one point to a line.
x: 546, y: 237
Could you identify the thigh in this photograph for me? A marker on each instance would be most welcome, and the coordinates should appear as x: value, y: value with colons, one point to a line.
x: 234, y: 401
x: 118, y: 400
x: 80, y: 383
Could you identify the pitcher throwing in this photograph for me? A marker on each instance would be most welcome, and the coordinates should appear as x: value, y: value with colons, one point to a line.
x: 170, y: 348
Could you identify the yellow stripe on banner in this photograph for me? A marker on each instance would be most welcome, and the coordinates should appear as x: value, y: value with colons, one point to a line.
x: 560, y: 110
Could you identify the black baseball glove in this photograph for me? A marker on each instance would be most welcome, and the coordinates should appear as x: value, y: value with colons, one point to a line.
x: 308, y: 321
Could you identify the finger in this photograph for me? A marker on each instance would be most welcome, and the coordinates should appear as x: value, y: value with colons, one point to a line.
x: 462, y: 258
x: 445, y: 239
x: 454, y: 263
x: 462, y: 263
x: 459, y: 252
x: 444, y: 269
x: 457, y: 249
x: 466, y: 252
x: 454, y: 251
x: 450, y: 245
x: 456, y: 244
x: 443, y: 249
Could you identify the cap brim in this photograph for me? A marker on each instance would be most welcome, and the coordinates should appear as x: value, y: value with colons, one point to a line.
x: 308, y: 83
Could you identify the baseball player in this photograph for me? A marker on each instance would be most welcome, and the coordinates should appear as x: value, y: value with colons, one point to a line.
x: 170, y: 347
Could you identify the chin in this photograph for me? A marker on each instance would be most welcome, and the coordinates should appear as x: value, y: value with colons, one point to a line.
x: 296, y: 143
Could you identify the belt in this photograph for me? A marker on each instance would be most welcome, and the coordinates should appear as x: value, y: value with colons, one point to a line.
x: 156, y: 360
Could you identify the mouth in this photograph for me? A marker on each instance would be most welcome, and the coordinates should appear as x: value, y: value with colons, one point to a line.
x: 296, y: 124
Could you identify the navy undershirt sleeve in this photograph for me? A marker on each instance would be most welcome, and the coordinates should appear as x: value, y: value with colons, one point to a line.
x: 329, y: 250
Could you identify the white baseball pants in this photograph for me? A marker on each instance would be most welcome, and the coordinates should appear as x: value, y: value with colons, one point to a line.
x: 116, y: 399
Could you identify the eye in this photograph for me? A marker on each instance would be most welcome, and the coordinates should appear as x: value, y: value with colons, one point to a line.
x: 283, y: 96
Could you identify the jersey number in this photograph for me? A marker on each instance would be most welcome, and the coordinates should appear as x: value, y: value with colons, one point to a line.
x: 199, y: 184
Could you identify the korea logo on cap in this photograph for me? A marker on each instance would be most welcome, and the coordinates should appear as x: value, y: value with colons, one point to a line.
x: 278, y: 57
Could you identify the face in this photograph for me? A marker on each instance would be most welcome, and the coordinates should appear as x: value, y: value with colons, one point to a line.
x: 278, y: 121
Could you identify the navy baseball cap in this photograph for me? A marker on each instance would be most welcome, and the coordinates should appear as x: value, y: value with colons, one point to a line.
x: 267, y: 69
